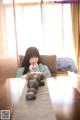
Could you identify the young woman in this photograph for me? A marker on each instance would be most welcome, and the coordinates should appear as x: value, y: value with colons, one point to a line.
x: 32, y: 63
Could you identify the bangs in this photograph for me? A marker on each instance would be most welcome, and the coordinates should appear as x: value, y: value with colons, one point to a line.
x: 33, y: 54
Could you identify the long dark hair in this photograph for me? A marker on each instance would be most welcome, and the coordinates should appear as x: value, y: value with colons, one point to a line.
x: 30, y: 52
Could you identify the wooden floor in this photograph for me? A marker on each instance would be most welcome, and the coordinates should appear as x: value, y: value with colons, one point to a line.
x: 65, y: 98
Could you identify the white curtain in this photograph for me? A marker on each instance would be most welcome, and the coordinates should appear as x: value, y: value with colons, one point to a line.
x: 48, y: 37
x: 53, y: 36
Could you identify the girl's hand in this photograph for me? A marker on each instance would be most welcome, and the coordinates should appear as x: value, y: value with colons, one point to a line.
x: 35, y: 65
x: 31, y: 67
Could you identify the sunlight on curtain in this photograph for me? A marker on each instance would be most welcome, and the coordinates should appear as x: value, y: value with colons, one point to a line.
x: 30, y: 32
x: 54, y: 36
x: 8, y: 54
x: 68, y: 34
x: 10, y: 32
x: 29, y: 29
x: 26, y: 1
x: 8, y: 25
x: 20, y: 1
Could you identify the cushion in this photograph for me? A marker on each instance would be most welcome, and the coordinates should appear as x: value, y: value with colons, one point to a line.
x: 49, y: 60
x: 66, y: 63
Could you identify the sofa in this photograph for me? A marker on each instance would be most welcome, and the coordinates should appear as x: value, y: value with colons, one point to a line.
x: 57, y: 65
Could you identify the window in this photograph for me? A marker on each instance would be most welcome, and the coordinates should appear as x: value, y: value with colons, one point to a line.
x: 41, y: 26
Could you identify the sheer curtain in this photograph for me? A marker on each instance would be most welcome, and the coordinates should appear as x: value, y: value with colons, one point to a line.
x: 44, y: 24
x: 75, y: 12
x: 8, y: 48
x: 31, y: 31
x: 7, y: 28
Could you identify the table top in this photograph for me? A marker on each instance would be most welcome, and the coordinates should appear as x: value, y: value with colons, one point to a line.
x: 61, y: 89
x: 10, y: 93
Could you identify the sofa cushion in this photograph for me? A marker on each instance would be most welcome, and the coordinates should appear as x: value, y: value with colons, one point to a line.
x: 50, y: 61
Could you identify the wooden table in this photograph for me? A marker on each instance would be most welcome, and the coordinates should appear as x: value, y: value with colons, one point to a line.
x: 65, y: 99
x: 10, y: 93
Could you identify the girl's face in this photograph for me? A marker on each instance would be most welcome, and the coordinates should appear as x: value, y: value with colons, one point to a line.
x: 33, y: 60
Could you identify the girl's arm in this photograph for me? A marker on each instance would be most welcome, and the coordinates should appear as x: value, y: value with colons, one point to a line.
x: 19, y: 72
x: 45, y: 70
